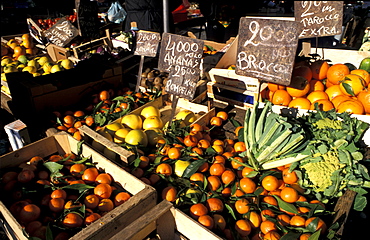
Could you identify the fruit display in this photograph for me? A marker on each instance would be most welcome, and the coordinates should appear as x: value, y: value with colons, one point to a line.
x: 100, y: 109
x: 58, y: 195
x: 45, y: 24
x: 154, y: 80
x: 17, y: 46
x: 342, y: 87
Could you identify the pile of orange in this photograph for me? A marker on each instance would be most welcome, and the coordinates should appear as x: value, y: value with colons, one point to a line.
x: 330, y: 87
x: 24, y: 46
x: 218, y: 189
x: 40, y: 199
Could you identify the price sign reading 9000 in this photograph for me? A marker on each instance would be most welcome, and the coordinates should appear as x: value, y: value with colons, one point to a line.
x: 266, y: 49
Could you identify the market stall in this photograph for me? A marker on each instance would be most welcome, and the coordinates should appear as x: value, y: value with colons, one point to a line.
x: 147, y: 135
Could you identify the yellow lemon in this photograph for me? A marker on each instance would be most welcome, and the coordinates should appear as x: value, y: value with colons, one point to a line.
x: 30, y: 69
x: 132, y: 121
x: 152, y: 122
x: 137, y: 137
x: 180, y: 166
x: 153, y: 134
x: 66, y: 64
x: 43, y: 60
x: 187, y: 116
x: 112, y: 128
x: 120, y: 135
x: 55, y: 68
x: 150, y: 111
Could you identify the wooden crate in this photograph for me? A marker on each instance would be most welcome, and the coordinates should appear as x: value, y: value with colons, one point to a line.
x: 143, y: 198
x: 166, y: 222
x: 118, y: 153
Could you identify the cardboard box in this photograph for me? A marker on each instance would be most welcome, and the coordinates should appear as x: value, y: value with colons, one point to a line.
x: 143, y: 196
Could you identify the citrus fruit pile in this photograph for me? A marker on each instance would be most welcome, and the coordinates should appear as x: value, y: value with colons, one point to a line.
x: 202, y: 173
x: 101, y: 109
x: 330, y: 86
x: 59, y: 194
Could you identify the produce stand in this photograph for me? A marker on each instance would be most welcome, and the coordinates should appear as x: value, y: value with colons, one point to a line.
x: 143, y: 195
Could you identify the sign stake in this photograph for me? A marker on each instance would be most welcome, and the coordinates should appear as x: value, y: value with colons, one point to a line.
x: 139, y: 73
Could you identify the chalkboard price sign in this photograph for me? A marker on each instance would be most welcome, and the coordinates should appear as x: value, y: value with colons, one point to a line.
x: 61, y: 33
x: 87, y: 18
x: 318, y: 18
x: 182, y: 81
x: 147, y: 43
x: 266, y: 49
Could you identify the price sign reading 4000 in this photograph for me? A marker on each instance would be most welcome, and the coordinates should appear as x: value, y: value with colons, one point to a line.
x: 266, y: 49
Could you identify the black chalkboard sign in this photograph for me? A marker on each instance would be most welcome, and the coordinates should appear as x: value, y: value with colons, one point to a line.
x: 87, y: 18
x: 61, y: 33
x: 181, y: 57
x: 318, y: 18
x: 266, y: 49
x: 147, y: 43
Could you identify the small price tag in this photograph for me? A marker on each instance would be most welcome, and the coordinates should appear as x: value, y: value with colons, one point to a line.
x: 147, y: 43
x: 182, y: 81
x: 318, y: 18
x: 61, y: 33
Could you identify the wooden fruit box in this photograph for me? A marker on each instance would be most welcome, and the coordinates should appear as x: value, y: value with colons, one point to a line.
x: 118, y: 153
x: 143, y: 198
x: 166, y: 222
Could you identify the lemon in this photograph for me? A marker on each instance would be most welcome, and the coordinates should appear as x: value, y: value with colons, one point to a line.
x: 153, y: 135
x: 180, y: 166
x: 6, y: 61
x: 152, y: 122
x: 47, y: 67
x: 66, y: 63
x: 43, y: 60
x: 36, y: 74
x: 55, y: 68
x: 120, y: 135
x: 9, y: 69
x: 23, y: 59
x: 187, y: 116
x: 30, y: 69
x: 132, y: 121
x: 33, y: 63
x: 150, y: 111
x: 21, y: 66
x: 112, y: 128
x: 137, y: 137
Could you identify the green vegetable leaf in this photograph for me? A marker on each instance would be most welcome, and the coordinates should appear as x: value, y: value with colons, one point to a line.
x: 53, y: 167
x: 348, y: 89
x: 360, y: 202
x: 79, y: 187
x: 364, y: 171
x: 193, y: 167
x: 315, y: 235
x: 231, y: 211
x: 312, y: 226
x: 286, y: 206
x: 290, y: 236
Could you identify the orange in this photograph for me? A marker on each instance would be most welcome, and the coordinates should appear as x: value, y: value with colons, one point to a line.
x: 59, y: 193
x: 267, y: 212
x: 302, y: 71
x: 300, y: 103
x: 216, y: 121
x: 247, y: 185
x: 274, y: 87
x: 351, y: 106
x: 218, y: 148
x: 352, y: 85
x: 103, y: 190
x: 239, y: 130
x: 25, y: 176
x: 90, y: 174
x: 120, y: 198
x: 364, y: 98
x: 216, y: 169
x: 303, y: 210
x: 35, y: 160
x: 317, y: 95
x: 270, y: 200
x: 267, y: 226
x: 246, y: 171
x: 228, y: 177
x: 297, y: 221
x: 289, y: 195
x: 214, y: 182
x: 89, y: 121
x: 219, y: 159
x: 362, y: 73
x: 73, y: 220
x: 9, y: 176
x: 174, y: 153
x: 320, y: 224
x: 254, y: 218
x: 289, y: 177
x: 169, y: 193
x: 91, y: 201
x: 226, y: 192
x: 236, y: 164
x: 281, y: 97
x: 197, y: 210
x: 295, y: 92
x: 323, y: 105
x: 243, y: 227
x: 283, y: 219
x: 240, y: 147
x: 190, y: 141
x: 270, y: 183
x: 204, y: 143
x: 91, y: 218
x: 197, y: 177
x: 164, y: 169
x: 214, y: 205
x: 319, y: 69
x: 339, y: 99
x: 105, y: 205
x: 333, y: 91
x: 77, y: 169
x: 316, y: 85
x: 104, y: 95
x: 72, y: 204
x: 220, y: 222
x: 272, y: 235
x: 29, y: 213
x: 104, y: 178
x: 337, y: 73
x: 305, y: 236
x: 31, y: 227
x: 242, y: 206
x: 56, y: 204
x: 196, y: 127
x: 223, y: 115
x: 206, y: 221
